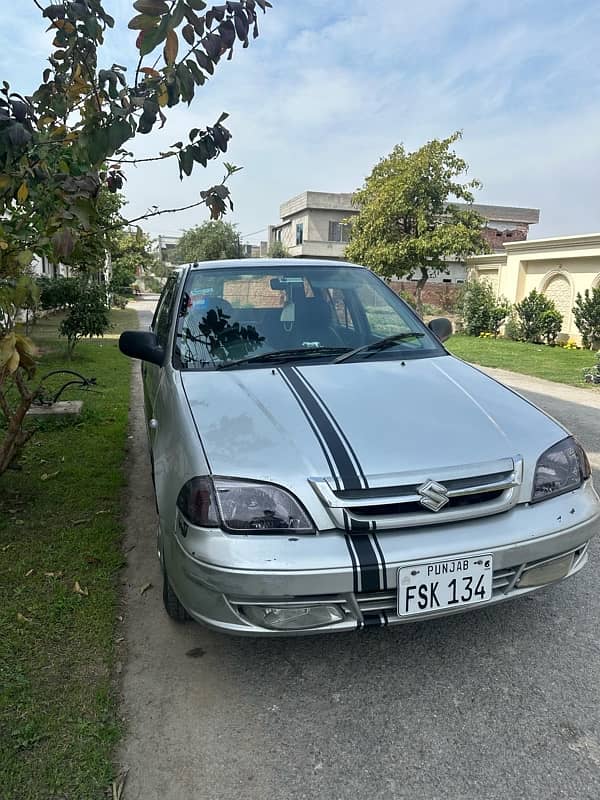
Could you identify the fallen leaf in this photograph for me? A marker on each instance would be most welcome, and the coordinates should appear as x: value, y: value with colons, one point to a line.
x: 5, y: 547
x: 102, y: 512
x: 79, y: 590
x: 53, y: 574
x: 81, y: 521
x: 19, y: 522
x: 28, y: 573
x: 22, y: 618
x: 145, y: 588
x: 47, y: 475
x: 120, y: 639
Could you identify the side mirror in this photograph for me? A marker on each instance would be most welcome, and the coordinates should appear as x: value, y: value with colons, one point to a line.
x: 442, y: 328
x: 143, y: 345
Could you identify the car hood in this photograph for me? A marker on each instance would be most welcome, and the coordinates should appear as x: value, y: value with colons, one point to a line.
x: 372, y: 418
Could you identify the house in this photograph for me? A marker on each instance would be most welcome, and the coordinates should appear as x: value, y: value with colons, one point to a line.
x: 41, y: 267
x: 314, y: 225
x: 559, y: 267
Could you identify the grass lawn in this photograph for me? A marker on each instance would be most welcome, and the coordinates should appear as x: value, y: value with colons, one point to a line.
x: 552, y: 363
x: 60, y: 524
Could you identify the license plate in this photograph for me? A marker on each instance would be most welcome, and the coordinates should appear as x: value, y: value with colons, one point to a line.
x: 444, y: 584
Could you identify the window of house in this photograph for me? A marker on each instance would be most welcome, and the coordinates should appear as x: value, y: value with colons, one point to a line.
x: 299, y: 232
x: 338, y: 231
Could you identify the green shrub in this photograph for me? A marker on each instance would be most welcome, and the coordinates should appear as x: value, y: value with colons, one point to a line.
x: 481, y: 310
x: 587, y: 316
x: 534, y: 320
x: 512, y: 327
x: 88, y: 316
x: 551, y: 325
x: 58, y: 293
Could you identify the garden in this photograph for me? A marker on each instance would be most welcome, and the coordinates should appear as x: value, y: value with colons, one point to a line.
x: 527, y: 337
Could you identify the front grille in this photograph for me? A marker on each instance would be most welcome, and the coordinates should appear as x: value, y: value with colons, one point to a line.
x: 395, y: 501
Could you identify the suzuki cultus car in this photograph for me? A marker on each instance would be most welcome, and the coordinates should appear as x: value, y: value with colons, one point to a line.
x: 322, y: 463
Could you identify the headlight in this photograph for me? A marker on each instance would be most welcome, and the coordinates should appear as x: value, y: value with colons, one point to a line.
x: 242, y: 506
x: 560, y: 469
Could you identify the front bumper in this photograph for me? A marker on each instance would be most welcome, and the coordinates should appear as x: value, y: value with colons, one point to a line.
x: 217, y: 576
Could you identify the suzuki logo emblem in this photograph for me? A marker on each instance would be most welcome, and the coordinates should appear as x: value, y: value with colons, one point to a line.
x: 434, y: 496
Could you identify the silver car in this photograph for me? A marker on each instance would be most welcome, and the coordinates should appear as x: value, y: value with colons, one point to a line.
x: 322, y: 463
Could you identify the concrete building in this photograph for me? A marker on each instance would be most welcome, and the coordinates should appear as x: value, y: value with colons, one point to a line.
x: 313, y: 226
x: 559, y: 267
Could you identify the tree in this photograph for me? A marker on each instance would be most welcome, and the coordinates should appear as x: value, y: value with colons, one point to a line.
x: 407, y: 223
x: 587, y: 316
x: 87, y: 317
x: 208, y: 242
x: 69, y: 138
x: 62, y: 143
x: 131, y: 255
x: 278, y: 250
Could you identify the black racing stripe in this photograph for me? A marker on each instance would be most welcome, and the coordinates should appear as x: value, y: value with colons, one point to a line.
x: 354, y: 564
x: 383, y: 565
x: 369, y: 566
x: 333, y: 440
x: 313, y: 427
x: 341, y: 433
x: 371, y: 620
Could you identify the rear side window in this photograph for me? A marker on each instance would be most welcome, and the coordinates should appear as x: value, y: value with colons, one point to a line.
x: 164, y: 311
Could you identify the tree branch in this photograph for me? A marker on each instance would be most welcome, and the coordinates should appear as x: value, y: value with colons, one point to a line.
x: 139, y: 160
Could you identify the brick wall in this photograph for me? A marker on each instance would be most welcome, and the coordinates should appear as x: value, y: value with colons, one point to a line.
x: 441, y: 295
x: 497, y: 238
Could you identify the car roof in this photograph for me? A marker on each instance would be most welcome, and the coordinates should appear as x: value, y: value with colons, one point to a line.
x: 269, y: 263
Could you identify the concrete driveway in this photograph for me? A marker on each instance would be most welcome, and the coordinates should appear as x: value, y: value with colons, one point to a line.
x: 498, y: 703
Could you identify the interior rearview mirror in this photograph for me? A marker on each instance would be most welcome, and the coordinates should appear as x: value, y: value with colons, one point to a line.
x: 442, y: 328
x: 143, y: 345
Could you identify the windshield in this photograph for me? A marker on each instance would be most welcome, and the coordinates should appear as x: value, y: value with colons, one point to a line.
x: 292, y: 312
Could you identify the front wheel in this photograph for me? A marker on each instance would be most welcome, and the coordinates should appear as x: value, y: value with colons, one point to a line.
x: 171, y: 602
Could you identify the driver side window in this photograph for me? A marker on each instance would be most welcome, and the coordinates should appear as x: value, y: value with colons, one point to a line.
x: 164, y: 311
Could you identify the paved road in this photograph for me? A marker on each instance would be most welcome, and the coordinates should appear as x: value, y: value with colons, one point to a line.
x: 499, y: 703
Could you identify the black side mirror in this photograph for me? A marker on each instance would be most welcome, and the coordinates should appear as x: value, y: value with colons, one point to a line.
x: 442, y: 328
x: 143, y: 345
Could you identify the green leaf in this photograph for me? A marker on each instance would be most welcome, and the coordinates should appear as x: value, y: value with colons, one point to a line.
x: 154, y: 37
x: 177, y: 15
x: 196, y: 72
x: 186, y: 161
x: 189, y: 34
x: 153, y: 7
x: 143, y: 22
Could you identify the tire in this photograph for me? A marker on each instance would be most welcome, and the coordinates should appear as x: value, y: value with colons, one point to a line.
x: 171, y: 602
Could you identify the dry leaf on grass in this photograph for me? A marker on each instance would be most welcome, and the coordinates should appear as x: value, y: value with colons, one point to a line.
x: 53, y: 574
x: 28, y: 573
x: 80, y: 590
x: 47, y: 475
x: 22, y: 618
x: 145, y: 588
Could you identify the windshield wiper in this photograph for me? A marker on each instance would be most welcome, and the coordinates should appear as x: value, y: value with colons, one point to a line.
x: 284, y: 355
x: 381, y: 344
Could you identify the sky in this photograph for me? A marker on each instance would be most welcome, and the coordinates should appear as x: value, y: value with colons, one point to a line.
x: 330, y: 86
